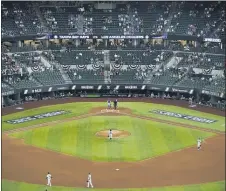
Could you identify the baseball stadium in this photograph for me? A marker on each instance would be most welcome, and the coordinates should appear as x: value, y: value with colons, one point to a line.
x: 113, y: 96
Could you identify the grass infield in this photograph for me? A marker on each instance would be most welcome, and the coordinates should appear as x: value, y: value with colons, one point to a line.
x: 148, y: 139
x: 76, y: 109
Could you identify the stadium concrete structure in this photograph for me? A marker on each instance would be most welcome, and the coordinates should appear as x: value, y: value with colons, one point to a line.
x: 164, y: 52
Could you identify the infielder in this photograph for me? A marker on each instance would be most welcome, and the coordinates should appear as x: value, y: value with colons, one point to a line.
x: 110, y: 135
x: 109, y: 104
x: 89, y: 181
x: 199, y: 143
x: 49, y: 177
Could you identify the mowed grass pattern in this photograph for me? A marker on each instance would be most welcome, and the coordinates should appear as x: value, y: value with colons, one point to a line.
x: 74, y: 109
x: 148, y: 139
x: 139, y: 108
x: 20, y: 186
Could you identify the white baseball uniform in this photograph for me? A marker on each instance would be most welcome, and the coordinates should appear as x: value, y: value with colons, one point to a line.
x: 190, y: 101
x: 49, y: 177
x: 110, y: 135
x: 199, y: 144
x: 109, y: 104
x: 89, y: 181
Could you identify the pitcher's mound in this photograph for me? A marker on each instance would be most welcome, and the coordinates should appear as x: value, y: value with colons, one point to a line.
x: 110, y: 112
x: 115, y: 133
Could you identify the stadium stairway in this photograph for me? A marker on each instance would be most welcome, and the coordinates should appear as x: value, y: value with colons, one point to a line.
x: 36, y: 8
x: 64, y: 74
x: 107, y: 67
x: 45, y: 62
x: 174, y: 61
x: 172, y: 11
x: 149, y: 77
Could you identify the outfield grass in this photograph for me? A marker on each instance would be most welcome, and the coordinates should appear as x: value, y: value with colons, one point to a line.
x: 75, y: 109
x: 20, y: 186
x: 148, y: 139
x: 142, y: 108
x: 138, y: 108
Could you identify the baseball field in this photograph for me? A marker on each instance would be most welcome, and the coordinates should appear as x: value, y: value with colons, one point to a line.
x: 154, y: 146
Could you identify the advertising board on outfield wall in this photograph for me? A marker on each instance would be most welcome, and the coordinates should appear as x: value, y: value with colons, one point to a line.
x: 99, y: 87
x: 109, y: 87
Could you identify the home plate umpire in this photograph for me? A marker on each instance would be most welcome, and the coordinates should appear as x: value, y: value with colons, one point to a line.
x: 115, y: 104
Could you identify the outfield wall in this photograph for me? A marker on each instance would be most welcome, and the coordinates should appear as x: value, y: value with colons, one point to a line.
x: 180, y: 103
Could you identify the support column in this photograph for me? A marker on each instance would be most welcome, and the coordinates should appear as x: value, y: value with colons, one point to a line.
x: 2, y: 101
x: 47, y: 43
x: 105, y: 42
x: 135, y: 42
x: 77, y: 42
x: 19, y: 44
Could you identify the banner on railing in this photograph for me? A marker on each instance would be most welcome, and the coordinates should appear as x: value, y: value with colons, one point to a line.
x: 99, y: 87
x: 182, y: 90
x: 7, y: 93
x: 217, y: 94
x: 111, y: 87
x: 101, y: 36
x: 212, y: 40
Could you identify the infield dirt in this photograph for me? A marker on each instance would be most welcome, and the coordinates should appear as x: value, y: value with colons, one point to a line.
x: 26, y: 163
x: 116, y: 134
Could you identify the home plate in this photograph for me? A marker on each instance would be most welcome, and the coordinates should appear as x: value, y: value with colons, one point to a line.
x: 116, y: 169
